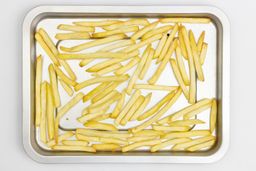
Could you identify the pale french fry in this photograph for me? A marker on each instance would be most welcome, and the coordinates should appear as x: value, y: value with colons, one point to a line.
x: 137, y: 71
x: 159, y: 30
x: 126, y: 108
x: 200, y: 42
x: 160, y: 46
x: 185, y: 20
x: 108, y: 69
x: 143, y: 43
x: 39, y: 65
x: 68, y: 69
x: 43, y: 126
x: 106, y: 147
x: 148, y: 133
x: 144, y: 30
x: 203, y: 53
x: 128, y: 66
x: 54, y: 86
x: 186, y: 122
x: 198, y: 67
x: 154, y: 109
x: 147, y: 64
x: 102, y: 117
x: 66, y: 87
x: 207, y: 144
x: 87, y: 138
x: 76, y: 56
x: 118, y: 106
x: 117, y: 45
x: 132, y: 109
x: 142, y: 22
x: 181, y: 66
x: 104, y: 99
x: 105, y: 134
x: 141, y: 108
x: 75, y: 142
x: 100, y: 79
x: 50, y: 113
x: 196, y: 111
x: 63, y: 77
x: 96, y: 23
x: 73, y: 148
x: 72, y: 36
x: 179, y: 79
x: 170, y: 128
x: 168, y: 44
x: 113, y: 140
x: 93, y: 43
x: 115, y: 31
x: 192, y: 133
x: 100, y: 126
x: 140, y: 144
x: 168, y: 143
x: 158, y: 115
x: 40, y: 40
x: 75, y: 28
x: 62, y: 137
x: 213, y: 115
x: 138, y: 139
x: 182, y: 44
x: 95, y: 91
x: 91, y: 116
x: 192, y: 72
x: 85, y: 62
x: 48, y: 41
x: 163, y: 64
x: 155, y: 87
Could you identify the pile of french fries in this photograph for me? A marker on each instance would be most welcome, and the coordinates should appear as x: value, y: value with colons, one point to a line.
x: 176, y: 46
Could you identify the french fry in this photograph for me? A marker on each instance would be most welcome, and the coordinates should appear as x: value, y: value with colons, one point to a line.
x: 73, y: 148
x: 66, y: 87
x: 81, y: 56
x: 140, y: 109
x: 144, y: 30
x: 117, y: 45
x: 75, y: 28
x: 39, y: 65
x: 198, y: 67
x: 160, y: 46
x: 192, y: 133
x: 73, y: 36
x: 162, y: 65
x: 75, y: 142
x: 186, y: 122
x: 115, y: 31
x: 213, y: 115
x: 147, y: 64
x: 200, y: 42
x: 132, y: 109
x: 50, y: 113
x: 85, y: 62
x: 203, y: 53
x: 196, y: 111
x: 182, y: 44
x: 181, y: 66
x: 142, y: 22
x: 185, y: 20
x: 207, y: 144
x: 140, y: 144
x: 118, y: 106
x: 96, y: 23
x: 104, y: 99
x: 108, y: 69
x: 105, y: 134
x: 192, y: 72
x: 170, y: 128
x: 102, y: 117
x: 48, y: 41
x: 159, y: 30
x: 128, y: 66
x: 168, y: 143
x: 126, y: 108
x: 100, y: 79
x: 43, y: 135
x: 168, y: 44
x: 155, y: 87
x: 179, y: 79
x: 106, y: 147
x: 147, y: 133
x: 113, y: 140
x: 95, y: 91
x: 158, y: 115
x: 100, y: 126
x: 154, y: 109
x: 64, y: 77
x: 54, y: 86
x: 93, y: 43
x: 68, y: 69
x: 87, y: 138
x: 91, y: 116
x: 138, y: 139
x: 137, y: 71
x: 61, y: 137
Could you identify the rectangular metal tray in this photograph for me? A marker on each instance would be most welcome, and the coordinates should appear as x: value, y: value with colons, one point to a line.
x: 217, y: 86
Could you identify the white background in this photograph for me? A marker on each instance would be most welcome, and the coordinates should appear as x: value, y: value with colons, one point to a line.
x: 241, y: 154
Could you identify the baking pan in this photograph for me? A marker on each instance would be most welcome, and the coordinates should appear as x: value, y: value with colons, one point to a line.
x: 216, y: 70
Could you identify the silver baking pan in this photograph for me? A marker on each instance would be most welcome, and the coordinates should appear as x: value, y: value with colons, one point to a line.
x: 217, y: 69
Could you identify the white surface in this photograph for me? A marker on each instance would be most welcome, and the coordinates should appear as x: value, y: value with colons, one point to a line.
x: 241, y: 152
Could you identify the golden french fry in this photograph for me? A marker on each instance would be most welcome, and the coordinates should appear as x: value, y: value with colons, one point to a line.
x: 162, y: 65
x: 128, y: 66
x: 185, y: 20
x: 72, y: 36
x: 148, y: 133
x: 100, y: 126
x: 196, y: 59
x: 73, y: 148
x: 168, y: 143
x: 147, y: 64
x: 80, y: 56
x: 130, y: 22
x: 104, y: 134
x: 104, y: 99
x: 155, y: 87
x: 200, y: 42
x: 128, y: 105
x: 192, y: 133
x: 181, y: 66
x: 113, y: 140
x: 95, y: 91
x: 179, y: 79
x: 197, y: 111
x: 87, y: 138
x: 154, y: 109
x: 203, y: 53
x: 213, y: 115
x: 93, y: 43
x: 140, y: 109
x: 54, y: 86
x: 100, y: 79
x: 39, y: 65
x: 170, y: 128
x: 66, y: 87
x: 137, y: 71
x: 138, y: 139
x: 50, y: 113
x: 48, y: 41
x: 115, y: 31
x: 75, y: 28
x: 158, y: 115
x: 91, y: 116
x: 118, y: 106
x: 68, y: 69
x: 168, y: 44
x: 182, y: 44
x: 75, y: 142
x: 159, y: 30
x: 62, y: 137
x: 108, y: 69
x: 106, y: 147
x: 63, y: 77
x: 186, y: 122
x: 85, y: 62
x: 117, y: 45
x: 207, y: 144
x: 102, y: 117
x: 43, y: 135
x: 140, y: 144
x: 192, y: 72
x: 96, y: 23
x: 160, y: 46
x: 144, y: 30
